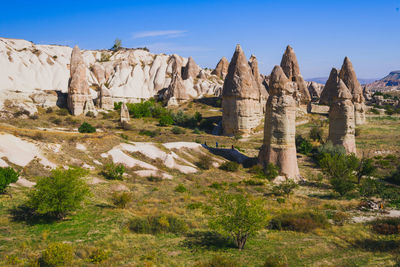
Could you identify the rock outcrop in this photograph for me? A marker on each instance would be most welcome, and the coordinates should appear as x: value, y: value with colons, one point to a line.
x: 191, y: 69
x: 90, y: 109
x: 291, y: 68
x: 105, y: 98
x: 341, y: 117
x: 348, y: 76
x: 315, y: 90
x: 78, y: 90
x: 124, y: 113
x: 279, y: 146
x: 240, y: 97
x: 176, y: 92
x: 259, y: 81
x: 329, y: 90
x: 221, y: 70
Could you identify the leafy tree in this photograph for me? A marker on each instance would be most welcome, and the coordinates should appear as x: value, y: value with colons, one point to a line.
x: 238, y: 216
x: 7, y: 176
x: 165, y: 120
x: 285, y: 188
x: 365, y: 168
x: 117, y: 45
x: 86, y: 128
x: 60, y: 193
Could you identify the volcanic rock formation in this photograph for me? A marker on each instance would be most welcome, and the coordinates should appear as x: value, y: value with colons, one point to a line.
x: 329, y: 90
x: 341, y: 116
x: 291, y: 68
x: 259, y: 81
x: 221, y: 70
x: 348, y: 75
x: 78, y: 90
x: 176, y: 92
x: 315, y: 90
x: 124, y: 113
x: 105, y: 98
x: 279, y: 147
x: 240, y: 97
x: 191, y: 69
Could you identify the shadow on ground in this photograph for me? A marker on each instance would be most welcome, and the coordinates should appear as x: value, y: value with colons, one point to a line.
x: 232, y: 155
x: 207, y: 240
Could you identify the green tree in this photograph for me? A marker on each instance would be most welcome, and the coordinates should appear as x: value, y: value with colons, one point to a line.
x: 61, y: 192
x: 117, y: 45
x: 238, y: 216
x: 365, y: 168
x: 285, y: 188
x: 86, y: 128
x: 7, y: 176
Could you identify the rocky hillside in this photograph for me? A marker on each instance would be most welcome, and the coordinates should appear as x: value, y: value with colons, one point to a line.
x: 131, y: 74
x: 391, y: 81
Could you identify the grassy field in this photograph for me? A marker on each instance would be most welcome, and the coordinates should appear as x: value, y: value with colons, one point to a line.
x: 100, y: 225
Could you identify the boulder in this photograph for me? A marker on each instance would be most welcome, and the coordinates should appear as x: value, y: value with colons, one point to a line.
x: 240, y: 97
x: 349, y: 77
x: 124, y: 113
x: 78, y: 89
x: 44, y: 99
x: 279, y: 147
x: 191, y: 69
x: 291, y: 68
x: 341, y: 118
x: 221, y: 70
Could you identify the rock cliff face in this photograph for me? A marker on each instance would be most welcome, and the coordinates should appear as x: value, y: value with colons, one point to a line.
x: 79, y: 97
x: 130, y: 75
x: 291, y: 68
x: 341, y: 117
x: 240, y: 97
x: 221, y: 70
x: 279, y: 146
x: 348, y: 75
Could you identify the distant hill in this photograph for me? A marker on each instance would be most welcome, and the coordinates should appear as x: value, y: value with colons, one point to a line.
x: 389, y: 82
x: 324, y: 79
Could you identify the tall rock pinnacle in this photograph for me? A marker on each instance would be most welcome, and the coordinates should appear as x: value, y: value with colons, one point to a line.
x: 222, y: 68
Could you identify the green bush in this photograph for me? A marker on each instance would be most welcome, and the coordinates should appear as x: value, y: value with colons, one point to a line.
x: 285, y: 188
x: 165, y: 120
x: 150, y: 133
x: 271, y: 171
x: 230, y: 166
x: 276, y: 261
x: 303, y: 146
x: 120, y: 200
x: 180, y: 188
x: 253, y: 182
x: 57, y: 254
x: 204, y: 162
x: 177, y: 130
x: 7, y: 176
x: 113, y: 171
x: 219, y: 261
x: 316, y: 133
x: 327, y: 148
x: 63, y: 112
x: 299, y: 221
x: 395, y: 177
x: 374, y: 111
x: 386, y: 226
x: 370, y: 187
x: 237, y: 216
x: 61, y: 192
x: 86, y: 128
x: 157, y: 225
x: 98, y: 256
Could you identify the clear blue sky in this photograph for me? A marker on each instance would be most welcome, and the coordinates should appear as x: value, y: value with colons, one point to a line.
x: 322, y: 32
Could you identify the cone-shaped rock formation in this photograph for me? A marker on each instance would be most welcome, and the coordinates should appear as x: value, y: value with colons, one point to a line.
x: 279, y: 146
x: 176, y: 92
x: 222, y: 68
x: 124, y: 113
x: 240, y: 97
x: 291, y: 68
x: 191, y: 69
x: 329, y: 90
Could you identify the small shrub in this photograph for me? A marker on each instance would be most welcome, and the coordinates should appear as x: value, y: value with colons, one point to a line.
x: 230, y: 166
x: 219, y: 261
x: 253, y: 182
x: 285, y: 188
x: 395, y: 177
x: 150, y: 133
x: 387, y: 226
x: 177, y: 130
x: 120, y: 200
x: 153, y: 178
x: 49, y: 110
x: 276, y: 261
x: 98, y: 256
x: 303, y: 146
x: 180, y: 188
x: 7, y: 176
x: 34, y: 117
x: 374, y: 111
x: 299, y: 221
x: 165, y: 120
x: 56, y: 121
x: 63, y: 112
x: 316, y: 133
x: 86, y: 128
x: 57, y: 254
x: 61, y: 192
x: 113, y: 171
x: 104, y: 57
x: 357, y: 131
x: 271, y: 171
x: 195, y: 205
x: 157, y: 225
x: 196, y: 131
x: 204, y: 162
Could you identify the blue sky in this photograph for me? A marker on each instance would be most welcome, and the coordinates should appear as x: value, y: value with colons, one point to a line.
x: 322, y: 32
